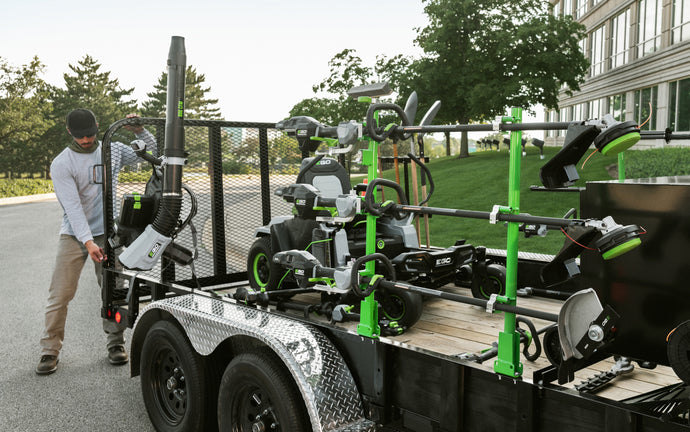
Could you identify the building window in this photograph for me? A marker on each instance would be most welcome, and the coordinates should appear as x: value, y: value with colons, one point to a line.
x: 648, y: 27
x: 680, y: 27
x: 565, y: 117
x: 620, y: 39
x: 580, y: 8
x: 596, y: 2
x: 567, y: 7
x: 595, y: 109
x: 617, y: 106
x: 557, y: 9
x: 579, y: 112
x: 645, y: 108
x: 679, y: 105
x: 552, y: 117
x: 597, y: 58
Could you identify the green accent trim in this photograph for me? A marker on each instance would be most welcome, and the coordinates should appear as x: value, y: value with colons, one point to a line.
x: 255, y: 273
x: 621, y: 249
x: 621, y: 166
x: 180, y: 109
x: 316, y: 241
x: 621, y: 143
x: 333, y: 211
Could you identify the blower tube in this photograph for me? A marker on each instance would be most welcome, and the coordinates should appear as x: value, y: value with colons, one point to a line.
x: 144, y: 252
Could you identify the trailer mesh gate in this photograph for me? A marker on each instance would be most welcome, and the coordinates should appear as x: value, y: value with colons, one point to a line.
x: 232, y: 168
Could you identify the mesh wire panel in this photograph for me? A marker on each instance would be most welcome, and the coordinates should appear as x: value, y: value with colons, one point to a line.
x: 232, y: 172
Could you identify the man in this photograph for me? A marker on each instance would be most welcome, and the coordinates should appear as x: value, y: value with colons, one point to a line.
x: 82, y: 233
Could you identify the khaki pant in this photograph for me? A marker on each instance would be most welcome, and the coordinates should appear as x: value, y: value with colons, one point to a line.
x: 69, y: 263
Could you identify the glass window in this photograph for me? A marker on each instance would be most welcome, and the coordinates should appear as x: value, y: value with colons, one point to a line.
x: 579, y: 112
x: 557, y: 9
x: 567, y: 7
x: 580, y: 8
x: 595, y: 109
x: 617, y: 106
x: 552, y: 117
x: 597, y: 59
x: 645, y: 108
x: 565, y: 117
x: 679, y: 105
x: 680, y: 27
x: 620, y: 39
x: 648, y: 27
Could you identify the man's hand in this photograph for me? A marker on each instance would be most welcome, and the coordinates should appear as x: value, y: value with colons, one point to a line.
x: 95, y: 252
x: 137, y: 129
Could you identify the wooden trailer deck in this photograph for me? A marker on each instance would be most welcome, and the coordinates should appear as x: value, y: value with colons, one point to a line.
x: 452, y: 328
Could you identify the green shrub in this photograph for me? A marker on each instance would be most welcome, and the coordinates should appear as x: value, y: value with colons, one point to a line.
x: 23, y: 187
x: 659, y: 162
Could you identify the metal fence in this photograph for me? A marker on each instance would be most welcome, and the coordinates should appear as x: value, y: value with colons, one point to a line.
x: 232, y: 169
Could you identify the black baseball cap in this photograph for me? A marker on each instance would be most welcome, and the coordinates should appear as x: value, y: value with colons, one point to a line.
x: 82, y: 123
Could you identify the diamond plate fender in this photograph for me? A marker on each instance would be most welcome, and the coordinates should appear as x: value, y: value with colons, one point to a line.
x: 323, y: 378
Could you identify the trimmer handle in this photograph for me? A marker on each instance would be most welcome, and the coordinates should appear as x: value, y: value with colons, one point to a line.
x: 371, y: 123
x: 379, y: 210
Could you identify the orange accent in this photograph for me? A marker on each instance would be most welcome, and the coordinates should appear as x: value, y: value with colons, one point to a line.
x: 118, y: 317
x: 670, y: 333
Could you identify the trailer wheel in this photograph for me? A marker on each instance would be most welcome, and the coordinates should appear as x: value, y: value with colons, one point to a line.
x: 493, y: 281
x: 174, y: 381
x: 404, y: 307
x: 262, y: 272
x: 552, y: 346
x: 678, y: 351
x: 258, y: 394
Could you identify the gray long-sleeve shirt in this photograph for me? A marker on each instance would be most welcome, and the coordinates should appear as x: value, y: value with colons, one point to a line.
x: 79, y: 195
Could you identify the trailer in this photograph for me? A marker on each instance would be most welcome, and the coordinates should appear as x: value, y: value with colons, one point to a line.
x: 210, y: 358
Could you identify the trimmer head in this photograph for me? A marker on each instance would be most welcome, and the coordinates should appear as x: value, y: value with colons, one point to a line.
x: 617, y: 138
x: 619, y: 241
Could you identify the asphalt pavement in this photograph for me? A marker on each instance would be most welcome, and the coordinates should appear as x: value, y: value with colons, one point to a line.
x: 86, y: 393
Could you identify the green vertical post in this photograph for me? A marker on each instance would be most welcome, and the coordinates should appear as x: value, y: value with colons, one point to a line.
x: 369, y: 312
x: 508, y: 361
x: 621, y: 167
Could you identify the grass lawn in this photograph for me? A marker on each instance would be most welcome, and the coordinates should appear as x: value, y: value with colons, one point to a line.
x: 481, y: 181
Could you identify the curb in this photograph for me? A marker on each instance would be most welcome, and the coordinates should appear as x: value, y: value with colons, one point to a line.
x: 28, y: 199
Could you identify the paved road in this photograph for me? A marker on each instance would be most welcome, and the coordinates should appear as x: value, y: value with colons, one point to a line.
x: 86, y: 393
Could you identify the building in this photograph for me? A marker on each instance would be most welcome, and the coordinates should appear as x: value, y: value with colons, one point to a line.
x: 639, y: 53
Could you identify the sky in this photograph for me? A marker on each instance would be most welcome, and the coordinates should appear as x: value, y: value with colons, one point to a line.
x: 260, y: 57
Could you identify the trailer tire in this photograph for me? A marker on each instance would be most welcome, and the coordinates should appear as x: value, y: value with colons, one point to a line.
x: 262, y: 272
x: 256, y: 392
x: 174, y: 382
x: 404, y: 307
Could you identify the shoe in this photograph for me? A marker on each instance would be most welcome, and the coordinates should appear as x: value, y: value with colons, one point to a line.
x: 47, y: 365
x: 117, y: 355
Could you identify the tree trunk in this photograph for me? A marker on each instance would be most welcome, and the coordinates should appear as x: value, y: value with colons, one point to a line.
x: 447, y: 134
x: 464, y: 146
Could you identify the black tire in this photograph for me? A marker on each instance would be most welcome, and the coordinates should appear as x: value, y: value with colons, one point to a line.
x: 678, y: 351
x: 174, y: 382
x: 262, y: 272
x: 405, y: 307
x: 552, y: 346
x: 493, y: 281
x: 257, y: 390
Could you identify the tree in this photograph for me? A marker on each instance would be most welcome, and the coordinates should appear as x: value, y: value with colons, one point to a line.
x: 482, y: 56
x: 87, y: 87
x: 24, y: 108
x: 346, y: 71
x: 197, y: 106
